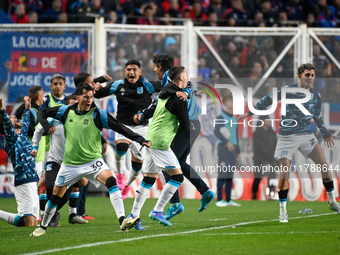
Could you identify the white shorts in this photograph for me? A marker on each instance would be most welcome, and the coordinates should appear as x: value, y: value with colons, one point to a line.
x: 134, y: 146
x: 27, y: 199
x: 288, y: 145
x: 68, y: 174
x: 157, y: 160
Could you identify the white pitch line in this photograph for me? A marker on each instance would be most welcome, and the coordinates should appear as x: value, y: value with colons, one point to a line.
x: 217, y: 219
x: 162, y: 235
x: 272, y: 233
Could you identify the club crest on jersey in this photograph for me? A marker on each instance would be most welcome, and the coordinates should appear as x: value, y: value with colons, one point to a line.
x: 122, y: 91
x: 61, y: 179
x: 139, y: 90
x: 86, y: 122
x: 284, y: 153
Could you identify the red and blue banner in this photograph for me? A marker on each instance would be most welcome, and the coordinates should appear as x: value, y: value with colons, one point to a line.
x: 36, y: 57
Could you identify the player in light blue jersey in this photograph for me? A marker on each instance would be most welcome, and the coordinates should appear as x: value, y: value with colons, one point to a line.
x: 18, y: 147
x: 295, y: 133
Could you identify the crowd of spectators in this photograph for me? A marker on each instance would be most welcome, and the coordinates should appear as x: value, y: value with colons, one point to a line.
x: 322, y: 13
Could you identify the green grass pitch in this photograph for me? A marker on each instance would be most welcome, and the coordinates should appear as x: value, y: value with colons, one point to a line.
x: 252, y: 228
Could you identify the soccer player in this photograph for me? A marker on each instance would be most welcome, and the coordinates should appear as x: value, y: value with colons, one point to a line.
x: 83, y: 123
x: 132, y: 94
x: 96, y: 84
x: 183, y: 140
x: 169, y: 112
x: 36, y: 94
x: 228, y: 152
x: 53, y: 162
x: 18, y: 147
x: 300, y: 136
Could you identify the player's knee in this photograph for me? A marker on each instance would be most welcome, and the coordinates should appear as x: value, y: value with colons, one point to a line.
x: 177, y: 178
x: 149, y: 180
x: 122, y: 148
x: 110, y: 182
x: 55, y: 200
x: 136, y: 166
x: 20, y: 222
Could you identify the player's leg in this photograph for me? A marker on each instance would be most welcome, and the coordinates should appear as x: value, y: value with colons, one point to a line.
x: 122, y: 146
x: 27, y: 200
x: 12, y: 218
x: 52, y: 170
x: 200, y: 185
x: 257, y: 179
x: 221, y: 180
x: 109, y: 181
x: 82, y: 200
x: 318, y: 156
x: 181, y: 148
x: 42, y: 193
x: 284, y: 151
x: 179, y: 144
x: 136, y: 170
x: 73, y: 202
x: 50, y: 209
x: 255, y: 187
x: 67, y: 176
x: 143, y: 190
x: 175, y: 205
x: 222, y: 175
x: 230, y: 161
x: 283, y: 188
x: 52, y: 203
x: 16, y: 220
x: 142, y: 193
x: 168, y: 190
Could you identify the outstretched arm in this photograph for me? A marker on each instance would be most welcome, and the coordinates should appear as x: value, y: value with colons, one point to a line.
x: 8, y: 65
x: 107, y: 121
x: 36, y: 140
x: 146, y: 113
x: 9, y: 129
x: 54, y: 112
x: 26, y: 117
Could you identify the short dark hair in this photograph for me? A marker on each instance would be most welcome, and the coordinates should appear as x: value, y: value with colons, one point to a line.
x: 69, y: 98
x: 81, y: 87
x: 80, y: 78
x: 133, y: 62
x: 58, y: 76
x: 33, y: 92
x: 175, y: 72
x: 304, y: 67
x: 163, y: 60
